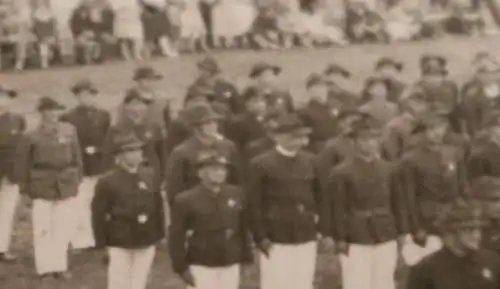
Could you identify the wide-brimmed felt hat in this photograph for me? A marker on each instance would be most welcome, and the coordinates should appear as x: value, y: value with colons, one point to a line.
x: 209, y: 64
x: 388, y: 62
x: 125, y: 142
x: 201, y: 113
x: 84, y: 85
x: 486, y: 188
x: 337, y: 69
x: 48, y: 103
x: 316, y: 79
x: 146, y: 72
x: 261, y: 67
x: 5, y: 91
x: 372, y: 81
x: 433, y: 64
x: 210, y: 158
x: 290, y: 124
x: 460, y: 215
x: 135, y: 95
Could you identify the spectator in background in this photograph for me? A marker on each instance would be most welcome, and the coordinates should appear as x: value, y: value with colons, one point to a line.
x: 364, y: 25
x: 174, y: 10
x: 206, y: 9
x: 193, y: 31
x: 44, y: 28
x: 92, y: 25
x: 400, y: 23
x: 128, y: 28
x: 232, y: 20
x: 16, y: 25
x: 316, y: 29
x: 265, y: 30
x: 63, y: 11
x: 156, y: 27
x: 375, y: 101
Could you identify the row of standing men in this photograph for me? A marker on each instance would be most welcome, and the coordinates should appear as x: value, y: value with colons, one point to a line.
x: 368, y: 174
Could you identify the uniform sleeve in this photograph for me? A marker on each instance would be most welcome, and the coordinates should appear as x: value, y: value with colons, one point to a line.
x: 406, y: 177
x: 236, y: 175
x: 100, y: 207
x: 325, y: 161
x: 470, y: 108
x: 399, y: 203
x: 159, y: 147
x: 325, y: 206
x: 176, y: 134
x: 174, y: 176
x: 77, y: 154
x: 178, y: 231
x: 338, y: 186
x: 392, y: 143
x: 245, y: 231
x: 254, y: 195
x: 23, y: 163
x: 419, y: 278
x: 477, y: 165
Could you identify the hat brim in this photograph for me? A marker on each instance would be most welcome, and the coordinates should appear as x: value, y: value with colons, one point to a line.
x: 52, y: 108
x: 215, y: 117
x: 258, y: 72
x: 155, y: 76
x: 130, y: 148
x: 213, y: 69
x: 212, y: 164
x: 300, y: 131
x: 78, y: 90
x: 10, y: 93
x: 396, y: 65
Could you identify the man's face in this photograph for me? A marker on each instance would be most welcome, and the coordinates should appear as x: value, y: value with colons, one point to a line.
x: 319, y: 92
x: 387, y: 72
x: 132, y: 158
x: 257, y: 106
x: 434, y: 78
x: 85, y: 98
x: 209, y: 128
x: 469, y: 238
x: 437, y: 132
x: 51, y: 116
x: 136, y: 110
x: 418, y: 107
x: 148, y: 84
x: 369, y: 145
x: 378, y: 91
x: 268, y: 77
x: 214, y: 174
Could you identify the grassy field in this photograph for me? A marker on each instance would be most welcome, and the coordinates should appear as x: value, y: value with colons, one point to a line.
x: 112, y: 79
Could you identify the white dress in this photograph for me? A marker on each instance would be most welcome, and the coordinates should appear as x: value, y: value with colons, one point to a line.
x: 233, y: 18
x: 192, y: 25
x: 128, y: 23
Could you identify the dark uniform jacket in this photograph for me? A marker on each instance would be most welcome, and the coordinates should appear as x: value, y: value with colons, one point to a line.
x: 50, y: 164
x: 476, y: 106
x: 209, y: 229
x: 484, y: 160
x: 127, y: 209
x: 283, y: 195
x: 92, y: 126
x: 149, y: 133
x: 322, y: 119
x: 396, y: 89
x: 12, y: 127
x: 397, y: 136
x: 444, y: 270
x: 336, y: 151
x: 181, y: 171
x: 224, y: 93
x: 490, y: 237
x: 245, y: 128
x: 432, y: 177
x: 258, y: 147
x: 363, y: 203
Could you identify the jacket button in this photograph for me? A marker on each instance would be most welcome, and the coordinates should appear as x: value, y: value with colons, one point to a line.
x: 229, y: 233
x: 300, y: 208
x: 142, y: 218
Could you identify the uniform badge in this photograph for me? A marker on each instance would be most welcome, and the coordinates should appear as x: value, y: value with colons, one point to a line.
x: 142, y: 218
x: 335, y: 112
x: 148, y: 134
x: 280, y: 101
x: 228, y: 94
x: 142, y: 186
x: 231, y: 203
x: 487, y: 273
x: 14, y: 131
x: 62, y: 140
x: 451, y: 167
x: 90, y: 150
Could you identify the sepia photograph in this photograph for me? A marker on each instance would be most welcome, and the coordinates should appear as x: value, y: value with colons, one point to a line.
x: 249, y: 144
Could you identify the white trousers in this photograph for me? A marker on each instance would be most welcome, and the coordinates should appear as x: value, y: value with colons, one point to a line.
x: 216, y: 278
x: 413, y: 253
x: 9, y: 198
x: 289, y: 266
x: 129, y: 268
x: 369, y: 266
x: 84, y: 235
x: 53, y: 226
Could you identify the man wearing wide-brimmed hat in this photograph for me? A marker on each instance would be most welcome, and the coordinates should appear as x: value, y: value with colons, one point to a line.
x: 485, y: 147
x: 433, y: 172
x: 92, y: 124
x: 223, y: 232
x: 128, y: 215
x: 12, y: 126
x: 461, y: 263
x: 50, y: 172
x: 340, y: 90
x: 283, y: 197
x: 391, y: 69
x: 481, y: 96
x: 135, y: 112
x: 180, y: 174
x: 215, y: 86
x: 363, y: 212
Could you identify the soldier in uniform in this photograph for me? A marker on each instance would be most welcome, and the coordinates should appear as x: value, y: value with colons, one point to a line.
x: 128, y: 215
x: 461, y: 263
x: 12, y: 126
x: 50, y: 172
x: 481, y: 96
x: 210, y: 218
x: 432, y: 174
x: 265, y: 75
x: 146, y: 79
x: 340, y: 94
x: 180, y: 172
x: 363, y: 211
x: 486, y: 190
x: 485, y: 148
x: 135, y: 109
x: 375, y: 100
x: 250, y: 125
x: 221, y: 90
x: 283, y: 194
x: 92, y: 124
x: 389, y: 69
x: 397, y: 133
x: 318, y: 114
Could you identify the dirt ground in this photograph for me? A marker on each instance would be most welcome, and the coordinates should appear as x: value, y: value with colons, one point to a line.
x: 112, y: 79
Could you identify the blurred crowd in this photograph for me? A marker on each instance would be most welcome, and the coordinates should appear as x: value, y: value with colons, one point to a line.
x: 45, y: 32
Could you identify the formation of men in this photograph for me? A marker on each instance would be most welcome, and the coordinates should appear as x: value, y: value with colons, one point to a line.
x: 397, y: 172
